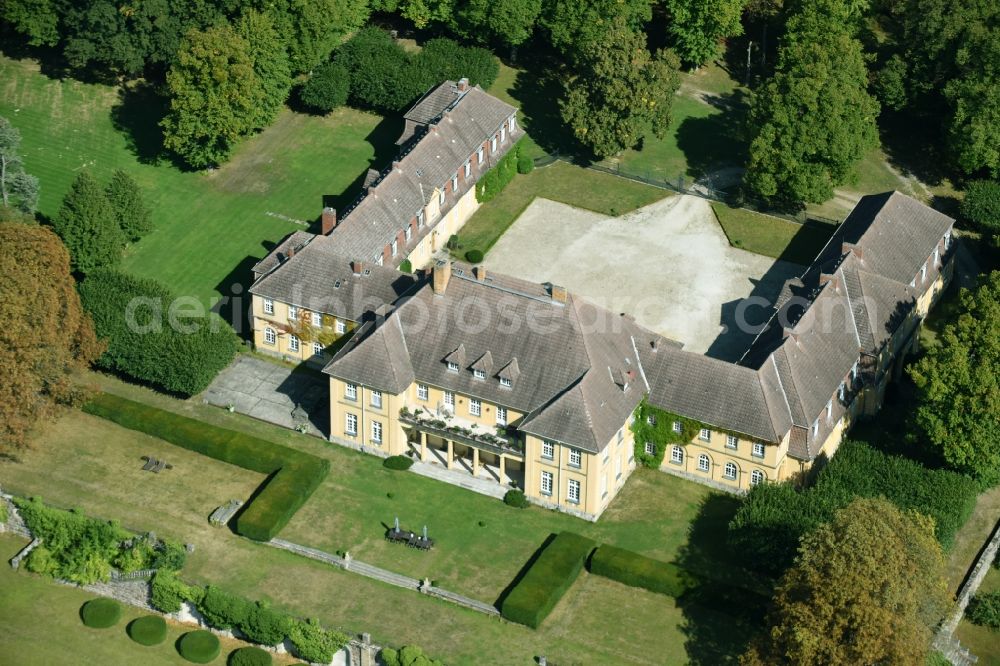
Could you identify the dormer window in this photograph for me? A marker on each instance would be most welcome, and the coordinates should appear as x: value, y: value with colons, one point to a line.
x: 923, y: 272
x: 947, y: 239
x: 493, y: 144
x: 452, y: 367
x: 408, y: 233
x: 815, y: 428
x: 479, y: 156
x: 468, y: 168
x: 479, y: 374
x: 503, y: 134
x: 420, y: 218
x: 854, y: 371
x: 829, y: 408
x: 441, y: 197
x: 505, y: 382
x: 394, y: 247
x: 454, y: 183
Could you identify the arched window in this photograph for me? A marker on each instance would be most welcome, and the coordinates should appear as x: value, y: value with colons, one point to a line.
x: 756, y: 477
x: 269, y: 336
x: 704, y: 463
x: 730, y: 470
x: 677, y: 455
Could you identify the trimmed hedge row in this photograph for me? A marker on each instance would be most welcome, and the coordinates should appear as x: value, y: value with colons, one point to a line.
x: 545, y: 582
x: 638, y: 570
x: 101, y: 613
x: 497, y: 178
x: 293, y: 475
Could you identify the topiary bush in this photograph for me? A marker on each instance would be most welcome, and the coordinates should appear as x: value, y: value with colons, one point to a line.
x: 147, y: 630
x: 101, y: 613
x: 524, y: 163
x: 474, y: 256
x: 406, y: 266
x: 399, y: 463
x: 249, y: 656
x: 638, y: 570
x: 984, y: 609
x: 515, y: 498
x: 199, y: 646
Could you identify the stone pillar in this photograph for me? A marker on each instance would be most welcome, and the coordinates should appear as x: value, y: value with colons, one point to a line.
x: 451, y: 453
x: 503, y: 474
x: 475, y: 461
x: 423, y: 446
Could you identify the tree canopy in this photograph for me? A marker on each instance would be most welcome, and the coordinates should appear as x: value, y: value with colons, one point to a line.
x: 958, y: 385
x: 46, y: 336
x: 129, y: 208
x: 18, y: 189
x: 698, y: 26
x: 981, y: 206
x: 270, y: 64
x: 87, y: 224
x: 867, y: 588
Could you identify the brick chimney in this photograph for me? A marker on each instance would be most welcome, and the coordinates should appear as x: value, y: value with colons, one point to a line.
x: 329, y: 220
x: 357, y: 266
x: 290, y: 252
x: 558, y: 294
x: 480, y: 273
x: 441, y: 276
x: 463, y: 84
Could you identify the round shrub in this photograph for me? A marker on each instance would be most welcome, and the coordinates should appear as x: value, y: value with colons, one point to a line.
x: 327, y: 88
x: 397, y: 462
x: 198, y: 646
x: 474, y: 256
x: 524, y: 163
x: 249, y: 656
x: 515, y: 498
x: 148, y: 630
x: 101, y: 613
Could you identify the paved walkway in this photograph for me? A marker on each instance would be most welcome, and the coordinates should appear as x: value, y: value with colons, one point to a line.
x: 460, y: 478
x: 272, y: 392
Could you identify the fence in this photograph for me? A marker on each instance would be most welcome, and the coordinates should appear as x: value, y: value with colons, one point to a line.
x: 132, y: 575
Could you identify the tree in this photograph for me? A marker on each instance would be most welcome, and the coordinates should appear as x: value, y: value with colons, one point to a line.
x: 38, y: 20
x: 866, y: 588
x: 958, y: 385
x: 974, y: 96
x: 327, y: 88
x: 813, y: 121
x: 129, y: 208
x: 509, y: 21
x: 311, y: 29
x: 574, y: 22
x: 87, y: 225
x: 382, y: 74
x: 215, y: 96
x: 619, y: 91
x: 442, y: 58
x: 46, y: 336
x: 270, y: 64
x: 697, y: 27
x: 981, y: 205
x: 18, y: 189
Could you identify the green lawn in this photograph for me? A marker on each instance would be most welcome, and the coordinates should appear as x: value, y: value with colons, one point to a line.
x: 657, y: 514
x: 209, y: 225
x: 40, y: 625
x: 772, y: 236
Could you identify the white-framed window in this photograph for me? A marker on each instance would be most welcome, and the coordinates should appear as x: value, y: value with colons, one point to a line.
x: 650, y: 449
x: 505, y: 382
x: 913, y: 282
x: 454, y: 183
x: 376, y: 397
x: 269, y: 336
x: 923, y: 272
x: 479, y: 374
x: 572, y: 488
x: 651, y: 420
x: 452, y: 366
x: 394, y: 247
x: 468, y: 168
x: 422, y: 392
x: 503, y: 134
x: 441, y: 197
x: 575, y: 458
x: 380, y: 259
x: 293, y: 343
x: 705, y: 435
x: 351, y: 391
x: 341, y: 327
x: 829, y: 408
x: 317, y: 349
x: 548, y: 450
x: 677, y: 427
x: 758, y: 450
x: 815, y: 427
x: 377, y: 432
x: 947, y: 239
x: 937, y: 256
x: 546, y: 488
x: 475, y: 407
x: 704, y: 463
x: 293, y: 313
x: 756, y: 477
x: 268, y: 306
x: 351, y: 424
x: 479, y: 156
x: 732, y: 441
x: 604, y: 485
x: 420, y: 218
x: 677, y: 455
x: 317, y: 319
x: 493, y: 144
x: 449, y: 399
x: 730, y: 471
x: 408, y: 233
x: 854, y: 371
x: 501, y: 416
x: 842, y: 391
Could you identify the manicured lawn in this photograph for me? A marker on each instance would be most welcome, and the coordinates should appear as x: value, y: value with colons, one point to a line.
x: 208, y: 224
x: 772, y: 236
x: 40, y: 625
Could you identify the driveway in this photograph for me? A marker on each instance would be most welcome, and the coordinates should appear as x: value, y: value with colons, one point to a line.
x: 274, y: 393
x: 669, y: 265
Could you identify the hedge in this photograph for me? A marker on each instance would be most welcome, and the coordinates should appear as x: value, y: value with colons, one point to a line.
x: 398, y: 463
x: 409, y: 655
x: 474, y: 256
x: 292, y: 475
x: 101, y: 613
x: 168, y: 592
x: 199, y: 646
x: 548, y: 578
x: 638, y: 570
x: 515, y: 498
x: 147, y: 630
x: 493, y: 181
x: 249, y: 656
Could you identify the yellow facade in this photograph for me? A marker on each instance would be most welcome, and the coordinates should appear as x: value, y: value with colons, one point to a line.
x: 456, y: 217
x: 722, y: 450
x: 278, y: 321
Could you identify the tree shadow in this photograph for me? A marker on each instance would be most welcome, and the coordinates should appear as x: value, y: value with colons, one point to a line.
x: 234, y: 302
x: 924, y: 159
x: 137, y: 115
x: 537, y: 91
x: 717, y: 140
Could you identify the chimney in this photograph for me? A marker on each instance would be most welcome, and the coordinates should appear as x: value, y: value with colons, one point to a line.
x: 442, y: 273
x: 480, y: 273
x: 558, y: 294
x: 654, y: 344
x: 329, y: 220
x: 463, y: 84
x: 290, y: 252
x: 357, y: 267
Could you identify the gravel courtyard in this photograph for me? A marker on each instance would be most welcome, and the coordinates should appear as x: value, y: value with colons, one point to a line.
x: 668, y: 264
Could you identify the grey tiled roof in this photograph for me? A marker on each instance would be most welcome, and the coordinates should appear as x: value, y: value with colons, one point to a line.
x: 294, y: 240
x: 433, y: 103
x: 319, y: 278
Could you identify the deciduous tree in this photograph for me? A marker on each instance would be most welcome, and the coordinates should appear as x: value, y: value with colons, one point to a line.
x: 311, y: 29
x: 38, y: 20
x: 87, y: 224
x: 698, y: 26
x: 573, y: 22
x: 974, y: 97
x: 328, y: 87
x: 866, y: 588
x: 382, y: 75
x: 270, y: 63
x: 129, y: 208
x: 981, y: 205
x: 958, y: 385
x: 45, y: 337
x: 508, y: 21
x: 18, y: 188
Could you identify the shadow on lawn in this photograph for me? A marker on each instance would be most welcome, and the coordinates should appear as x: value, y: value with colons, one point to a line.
x: 718, y: 140
x: 137, y: 115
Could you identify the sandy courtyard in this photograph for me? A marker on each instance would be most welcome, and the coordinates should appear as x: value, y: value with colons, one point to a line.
x: 668, y: 264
